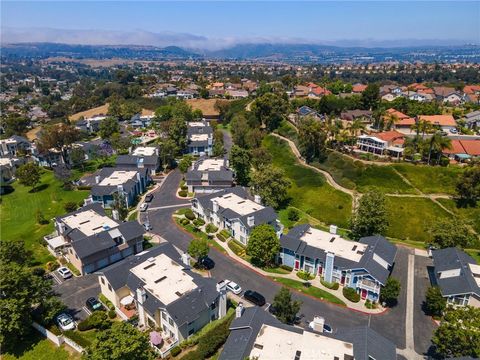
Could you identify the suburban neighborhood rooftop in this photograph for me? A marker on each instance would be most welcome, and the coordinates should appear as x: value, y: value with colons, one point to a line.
x: 118, y: 177
x: 237, y: 204
x: 89, y: 222
x: 210, y: 165
x: 144, y: 151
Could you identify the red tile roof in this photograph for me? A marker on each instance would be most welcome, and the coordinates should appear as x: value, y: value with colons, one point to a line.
x: 389, y: 135
x: 358, y: 88
x: 403, y: 120
x: 471, y: 89
x: 472, y: 147
x: 442, y: 120
x: 457, y: 148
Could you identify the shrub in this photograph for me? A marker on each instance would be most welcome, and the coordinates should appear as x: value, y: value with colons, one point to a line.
x: 183, y: 193
x: 237, y: 248
x: 76, y: 337
x: 83, y: 187
x: 40, y: 217
x: 293, y: 214
x: 189, y: 214
x: 184, y: 221
x: 286, y: 267
x: 54, y: 330
x: 112, y: 314
x: 80, y: 203
x: 84, y: 325
x: 210, y: 228
x: 304, y: 275
x: 38, y: 271
x: 184, y: 187
x: 221, y: 238
x: 98, y: 320
x: 329, y: 285
x: 175, y: 351
x: 52, y: 265
x: 107, y: 302
x: 198, y: 222
x: 351, y: 294
x: 70, y: 206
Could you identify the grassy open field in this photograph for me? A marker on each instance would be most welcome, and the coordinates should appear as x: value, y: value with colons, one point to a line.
x: 310, y: 192
x: 38, y: 348
x: 354, y: 174
x: 18, y: 209
x: 410, y: 217
x: 471, y: 214
x: 431, y: 179
x: 286, y: 129
x: 207, y: 106
x: 103, y: 109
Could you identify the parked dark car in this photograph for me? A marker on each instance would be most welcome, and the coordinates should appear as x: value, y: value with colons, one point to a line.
x: 206, y: 263
x: 149, y: 198
x: 93, y: 304
x: 254, y: 297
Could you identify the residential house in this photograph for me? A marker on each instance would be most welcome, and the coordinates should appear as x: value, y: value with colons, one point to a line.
x: 95, y: 148
x: 237, y: 94
x: 303, y: 112
x: 383, y: 143
x: 358, y: 88
x: 141, y: 121
x: 200, y: 138
x: 351, y: 115
x: 209, y: 175
x: 442, y: 122
x: 462, y: 150
x: 233, y: 210
x: 472, y: 120
x: 364, y: 265
x: 401, y: 121
x: 91, y: 240
x: 457, y: 275
x: 14, y: 146
x: 166, y: 294
x: 316, y: 91
x: 8, y: 167
x: 256, y: 334
x: 90, y: 125
x: 127, y: 181
x: 141, y: 157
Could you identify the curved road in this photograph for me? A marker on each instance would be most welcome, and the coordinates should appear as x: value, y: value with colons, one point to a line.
x: 390, y: 324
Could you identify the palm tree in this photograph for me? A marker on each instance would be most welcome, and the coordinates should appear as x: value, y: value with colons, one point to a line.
x: 355, y: 126
x: 437, y: 143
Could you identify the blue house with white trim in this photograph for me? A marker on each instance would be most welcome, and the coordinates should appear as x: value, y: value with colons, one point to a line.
x: 364, y: 265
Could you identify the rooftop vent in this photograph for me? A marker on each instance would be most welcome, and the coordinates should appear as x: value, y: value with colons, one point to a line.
x: 151, y: 259
x: 258, y: 346
x: 298, y: 354
x: 332, y: 239
x: 178, y: 293
x: 161, y: 279
x: 360, y: 252
x: 354, y: 248
x: 148, y: 266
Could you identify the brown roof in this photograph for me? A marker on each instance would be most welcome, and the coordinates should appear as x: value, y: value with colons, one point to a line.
x: 390, y: 135
x: 403, y: 120
x: 457, y: 148
x: 357, y: 88
x: 472, y: 147
x: 442, y: 120
x: 471, y: 89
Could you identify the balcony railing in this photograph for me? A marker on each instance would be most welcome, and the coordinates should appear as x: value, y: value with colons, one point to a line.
x: 368, y: 285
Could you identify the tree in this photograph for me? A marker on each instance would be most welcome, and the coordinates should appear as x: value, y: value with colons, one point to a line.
x: 436, y: 143
x: 312, y: 138
x: 240, y: 161
x: 269, y: 109
x: 59, y: 137
x: 435, y: 303
x: 271, y: 184
x: 108, y: 127
x: 77, y: 157
x: 286, y: 308
x: 458, y: 333
x: 198, y: 248
x: 218, y: 148
x: 468, y: 186
x: 120, y: 143
x: 260, y: 157
x: 167, y: 151
x: 121, y: 342
x: 370, y: 97
x: 119, y: 204
x: 240, y: 129
x: 28, y: 174
x: 263, y: 245
x: 185, y: 163
x: 14, y: 252
x: 14, y: 124
x: 63, y: 174
x: 177, y: 131
x: 451, y: 232
x: 390, y: 292
x: 370, y: 218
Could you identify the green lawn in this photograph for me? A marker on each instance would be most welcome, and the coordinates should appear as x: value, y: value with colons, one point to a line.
x: 286, y: 129
x: 431, y: 179
x: 353, y: 174
x: 410, y: 217
x: 310, y: 192
x: 18, y: 210
x: 37, y: 348
x: 311, y: 290
x: 471, y: 214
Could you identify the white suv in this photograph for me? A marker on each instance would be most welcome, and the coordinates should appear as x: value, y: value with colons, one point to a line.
x: 65, y: 273
x: 233, y: 287
x: 65, y: 322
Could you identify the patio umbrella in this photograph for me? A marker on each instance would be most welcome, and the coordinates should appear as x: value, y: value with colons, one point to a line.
x: 127, y: 300
x: 156, y: 338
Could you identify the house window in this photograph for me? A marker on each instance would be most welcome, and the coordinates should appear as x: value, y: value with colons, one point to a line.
x: 102, y: 280
x: 170, y: 321
x: 109, y: 287
x: 164, y: 329
x: 150, y: 323
x: 164, y: 316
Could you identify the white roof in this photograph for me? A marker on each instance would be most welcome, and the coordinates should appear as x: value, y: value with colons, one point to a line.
x: 118, y: 177
x: 199, y: 137
x: 237, y: 204
x: 89, y: 222
x: 144, y: 151
x: 56, y: 242
x: 196, y: 124
x: 273, y: 343
x: 475, y: 269
x: 164, y: 278
x: 333, y: 243
x: 210, y: 164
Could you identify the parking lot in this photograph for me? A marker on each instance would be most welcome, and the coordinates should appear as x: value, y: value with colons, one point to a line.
x: 75, y: 291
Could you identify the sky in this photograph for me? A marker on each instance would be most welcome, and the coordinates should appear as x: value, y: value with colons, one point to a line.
x: 222, y: 23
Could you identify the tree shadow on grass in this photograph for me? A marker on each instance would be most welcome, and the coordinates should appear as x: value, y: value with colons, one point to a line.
x: 39, y: 188
x: 5, y: 190
x: 26, y: 344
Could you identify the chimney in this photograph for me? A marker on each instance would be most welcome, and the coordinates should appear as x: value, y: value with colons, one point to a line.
x: 138, y: 177
x: 258, y: 199
x: 186, y: 259
x: 251, y: 220
x: 333, y: 229
x: 61, y: 227
x: 221, y: 286
x: 141, y: 295
x: 120, y: 188
x: 156, y: 151
x: 215, y: 206
x: 239, y: 310
x: 115, y: 215
x: 97, y: 179
x: 318, y: 323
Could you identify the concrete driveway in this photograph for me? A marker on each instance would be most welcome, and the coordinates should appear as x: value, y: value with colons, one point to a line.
x: 75, y: 291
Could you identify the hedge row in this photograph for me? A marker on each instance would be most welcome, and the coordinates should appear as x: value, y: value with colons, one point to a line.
x: 351, y: 294
x: 210, y: 228
x: 332, y: 286
x: 237, y: 249
x: 76, y: 337
x: 107, y: 302
x: 189, y: 214
x: 304, y: 275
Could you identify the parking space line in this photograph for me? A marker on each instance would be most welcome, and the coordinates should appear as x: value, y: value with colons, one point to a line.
x: 56, y: 278
x: 86, y: 310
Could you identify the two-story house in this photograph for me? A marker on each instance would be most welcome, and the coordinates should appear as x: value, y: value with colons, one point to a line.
x: 91, y: 240
x: 14, y: 146
x: 364, y: 265
x: 457, y: 275
x: 209, y: 175
x: 233, y: 210
x: 141, y: 157
x: 199, y: 138
x: 383, y: 143
x: 166, y: 294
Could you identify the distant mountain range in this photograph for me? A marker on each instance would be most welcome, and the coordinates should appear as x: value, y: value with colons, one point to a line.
x: 297, y: 53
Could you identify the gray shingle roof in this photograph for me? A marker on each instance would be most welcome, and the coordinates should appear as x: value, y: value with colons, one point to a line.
x: 453, y: 258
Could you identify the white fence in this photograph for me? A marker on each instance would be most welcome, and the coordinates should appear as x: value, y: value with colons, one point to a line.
x: 57, y: 339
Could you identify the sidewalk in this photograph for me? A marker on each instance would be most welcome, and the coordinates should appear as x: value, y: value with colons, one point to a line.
x: 315, y: 282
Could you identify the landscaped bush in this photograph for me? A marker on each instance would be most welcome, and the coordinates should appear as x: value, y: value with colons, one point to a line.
x: 112, y: 314
x: 184, y: 221
x: 184, y: 187
x: 52, y: 265
x: 198, y: 222
x: 332, y: 286
x: 286, y: 267
x: 70, y: 206
x: 210, y: 228
x: 225, y: 234
x: 39, y: 271
x: 293, y: 214
x: 183, y: 193
x: 351, y: 294
x: 237, y: 248
x: 55, y: 330
x: 189, y: 214
x: 304, y: 275
x: 83, y: 187
x: 221, y: 238
x: 107, y: 302
x: 175, y: 351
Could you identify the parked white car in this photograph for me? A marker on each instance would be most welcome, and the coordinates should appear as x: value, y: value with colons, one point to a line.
x: 143, y: 207
x: 65, y: 322
x: 64, y: 272
x: 233, y: 287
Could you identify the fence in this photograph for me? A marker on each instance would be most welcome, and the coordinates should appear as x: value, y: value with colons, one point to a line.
x: 57, y: 339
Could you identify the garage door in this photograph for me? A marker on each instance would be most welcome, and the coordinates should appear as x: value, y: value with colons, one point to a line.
x: 102, y: 263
